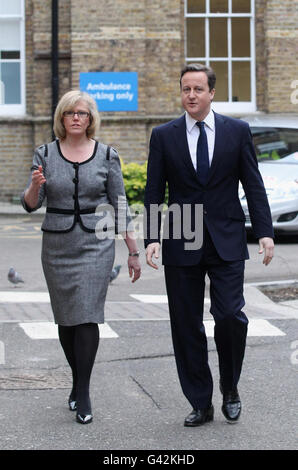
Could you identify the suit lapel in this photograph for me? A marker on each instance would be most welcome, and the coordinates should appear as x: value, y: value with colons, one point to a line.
x: 182, y: 144
x: 219, y: 144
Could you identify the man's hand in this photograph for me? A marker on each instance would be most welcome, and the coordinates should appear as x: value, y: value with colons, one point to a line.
x: 266, y: 244
x: 152, y: 249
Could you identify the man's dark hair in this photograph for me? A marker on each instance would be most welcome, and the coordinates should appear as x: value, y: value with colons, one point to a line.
x: 200, y: 68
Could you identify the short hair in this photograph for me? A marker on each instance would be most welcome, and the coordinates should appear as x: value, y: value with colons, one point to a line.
x: 67, y: 103
x: 200, y: 68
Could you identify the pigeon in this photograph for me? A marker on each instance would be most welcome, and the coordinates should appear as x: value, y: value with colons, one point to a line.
x: 114, y: 273
x: 14, y: 277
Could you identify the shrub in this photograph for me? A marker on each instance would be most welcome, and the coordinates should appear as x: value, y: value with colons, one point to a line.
x: 134, y: 176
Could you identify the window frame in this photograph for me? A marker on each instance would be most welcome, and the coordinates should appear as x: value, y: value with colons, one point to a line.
x: 229, y: 106
x: 17, y: 109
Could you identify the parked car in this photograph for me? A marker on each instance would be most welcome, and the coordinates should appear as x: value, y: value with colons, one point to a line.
x: 275, y: 139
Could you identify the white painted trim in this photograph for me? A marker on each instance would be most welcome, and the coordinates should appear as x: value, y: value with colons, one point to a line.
x: 18, y: 109
x: 234, y: 107
x: 230, y: 75
x: 228, y: 107
x: 253, y: 77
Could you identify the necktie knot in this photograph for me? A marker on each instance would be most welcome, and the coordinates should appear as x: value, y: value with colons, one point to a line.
x: 200, y: 124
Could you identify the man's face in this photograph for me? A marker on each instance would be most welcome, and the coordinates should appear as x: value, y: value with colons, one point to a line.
x: 195, y: 94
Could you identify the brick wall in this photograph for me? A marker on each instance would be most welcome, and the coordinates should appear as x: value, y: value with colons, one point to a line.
x: 138, y: 35
x: 282, y: 53
x: 15, y: 156
x: 146, y: 36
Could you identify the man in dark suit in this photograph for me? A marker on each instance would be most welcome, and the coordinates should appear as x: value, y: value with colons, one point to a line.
x: 203, y: 156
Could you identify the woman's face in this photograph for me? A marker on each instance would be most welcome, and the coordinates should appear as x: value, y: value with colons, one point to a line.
x: 77, y: 119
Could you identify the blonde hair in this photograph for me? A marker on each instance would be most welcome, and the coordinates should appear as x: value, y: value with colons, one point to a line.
x: 67, y: 103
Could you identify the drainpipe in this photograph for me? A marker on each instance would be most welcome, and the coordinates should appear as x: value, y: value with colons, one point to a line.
x: 55, y: 70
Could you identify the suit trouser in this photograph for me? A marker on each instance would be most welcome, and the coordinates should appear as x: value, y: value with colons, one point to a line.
x: 185, y: 288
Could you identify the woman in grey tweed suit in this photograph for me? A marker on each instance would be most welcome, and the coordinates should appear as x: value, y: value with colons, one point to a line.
x: 82, y: 182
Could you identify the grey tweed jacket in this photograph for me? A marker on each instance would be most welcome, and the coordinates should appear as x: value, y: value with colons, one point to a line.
x: 90, y: 193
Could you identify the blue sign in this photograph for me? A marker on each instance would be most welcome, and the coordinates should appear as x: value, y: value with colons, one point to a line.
x: 112, y: 91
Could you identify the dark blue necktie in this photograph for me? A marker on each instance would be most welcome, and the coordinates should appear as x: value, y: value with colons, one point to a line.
x: 202, y: 154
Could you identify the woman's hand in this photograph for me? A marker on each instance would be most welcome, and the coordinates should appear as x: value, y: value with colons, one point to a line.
x: 134, y: 268
x: 32, y: 193
x: 38, y: 178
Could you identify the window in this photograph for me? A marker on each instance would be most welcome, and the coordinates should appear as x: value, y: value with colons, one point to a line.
x: 274, y: 143
x: 220, y: 34
x: 12, y: 59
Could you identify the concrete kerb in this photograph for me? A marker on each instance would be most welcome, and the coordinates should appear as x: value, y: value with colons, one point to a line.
x: 8, y: 208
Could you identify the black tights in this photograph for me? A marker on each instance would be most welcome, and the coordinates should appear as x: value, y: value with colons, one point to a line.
x: 80, y: 343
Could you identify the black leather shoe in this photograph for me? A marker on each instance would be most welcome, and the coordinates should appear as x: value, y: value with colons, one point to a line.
x: 199, y: 417
x: 231, y: 406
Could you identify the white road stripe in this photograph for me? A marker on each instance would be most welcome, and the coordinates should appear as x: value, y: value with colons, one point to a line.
x: 2, y: 353
x: 43, y: 330
x: 150, y: 299
x: 271, y: 283
x: 154, y: 299
x: 43, y: 297
x: 256, y: 327
x: 16, y: 297
x: 49, y: 330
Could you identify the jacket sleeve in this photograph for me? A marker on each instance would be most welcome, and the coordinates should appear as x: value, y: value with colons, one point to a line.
x: 116, y: 195
x: 254, y: 189
x: 38, y: 159
x: 154, y: 191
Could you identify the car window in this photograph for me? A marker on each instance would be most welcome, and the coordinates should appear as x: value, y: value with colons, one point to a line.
x: 274, y: 143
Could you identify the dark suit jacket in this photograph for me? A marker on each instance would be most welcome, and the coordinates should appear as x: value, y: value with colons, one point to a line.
x: 233, y: 160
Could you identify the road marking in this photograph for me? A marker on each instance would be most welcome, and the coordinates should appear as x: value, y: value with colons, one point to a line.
x: 155, y: 299
x: 256, y: 327
x: 271, y: 283
x: 49, y: 330
x: 2, y: 353
x: 23, y: 297
x: 43, y: 297
x: 40, y: 330
x: 150, y: 299
x: 5, y: 228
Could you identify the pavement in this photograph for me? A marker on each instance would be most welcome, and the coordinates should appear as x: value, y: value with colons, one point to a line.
x: 137, y: 401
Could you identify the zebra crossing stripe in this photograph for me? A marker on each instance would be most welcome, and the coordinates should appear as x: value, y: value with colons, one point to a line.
x: 155, y: 299
x: 14, y: 296
x: 256, y: 327
x: 2, y: 353
x: 49, y: 330
x: 44, y: 330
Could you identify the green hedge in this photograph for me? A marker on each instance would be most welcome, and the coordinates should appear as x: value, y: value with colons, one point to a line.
x: 135, y: 177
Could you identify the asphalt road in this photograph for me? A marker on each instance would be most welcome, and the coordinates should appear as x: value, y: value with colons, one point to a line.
x: 136, y: 397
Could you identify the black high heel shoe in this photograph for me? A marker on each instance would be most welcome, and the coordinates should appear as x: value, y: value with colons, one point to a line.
x: 84, y: 419
x: 72, y: 404
x: 84, y: 413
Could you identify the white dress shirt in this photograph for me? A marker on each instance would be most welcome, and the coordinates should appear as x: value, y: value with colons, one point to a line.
x: 193, y: 133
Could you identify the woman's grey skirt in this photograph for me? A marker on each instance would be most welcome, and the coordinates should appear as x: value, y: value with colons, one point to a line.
x: 77, y: 267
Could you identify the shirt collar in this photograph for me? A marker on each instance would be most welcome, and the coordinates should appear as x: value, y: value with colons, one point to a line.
x: 191, y: 122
